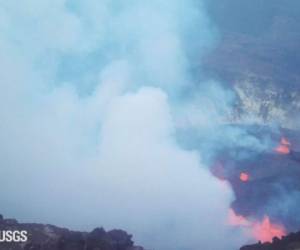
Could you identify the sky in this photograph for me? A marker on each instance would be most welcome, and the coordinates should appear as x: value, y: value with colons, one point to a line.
x: 93, y: 96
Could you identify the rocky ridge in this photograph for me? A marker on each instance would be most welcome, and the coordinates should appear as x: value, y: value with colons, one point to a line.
x: 49, y: 237
x: 290, y: 242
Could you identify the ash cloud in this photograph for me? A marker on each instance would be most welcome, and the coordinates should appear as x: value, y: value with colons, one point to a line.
x: 92, y: 96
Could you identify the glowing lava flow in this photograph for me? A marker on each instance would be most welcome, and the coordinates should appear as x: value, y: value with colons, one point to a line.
x: 283, y: 147
x: 263, y: 231
x: 244, y: 177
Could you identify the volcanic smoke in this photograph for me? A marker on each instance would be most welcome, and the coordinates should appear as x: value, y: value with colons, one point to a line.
x: 97, y: 92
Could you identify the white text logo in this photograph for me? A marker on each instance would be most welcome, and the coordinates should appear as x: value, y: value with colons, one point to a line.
x: 13, y: 236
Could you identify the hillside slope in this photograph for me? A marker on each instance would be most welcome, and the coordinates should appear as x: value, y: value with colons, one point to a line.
x: 49, y: 237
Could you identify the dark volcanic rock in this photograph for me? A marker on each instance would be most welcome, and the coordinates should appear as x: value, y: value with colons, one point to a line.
x: 48, y: 237
x: 290, y: 242
x: 258, y: 57
x: 273, y: 186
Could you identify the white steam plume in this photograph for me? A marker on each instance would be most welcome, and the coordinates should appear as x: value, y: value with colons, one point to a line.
x: 89, y: 102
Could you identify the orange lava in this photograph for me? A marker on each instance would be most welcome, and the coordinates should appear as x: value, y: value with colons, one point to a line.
x: 265, y: 231
x: 283, y: 147
x: 244, y: 177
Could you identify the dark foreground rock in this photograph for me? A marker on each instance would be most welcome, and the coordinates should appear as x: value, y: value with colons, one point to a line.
x: 49, y: 237
x: 290, y: 242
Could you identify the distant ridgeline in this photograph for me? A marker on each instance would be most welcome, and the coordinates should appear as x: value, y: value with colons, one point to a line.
x: 30, y: 236
x: 289, y: 242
